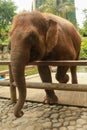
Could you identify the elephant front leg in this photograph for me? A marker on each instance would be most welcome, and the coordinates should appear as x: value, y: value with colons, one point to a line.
x: 61, y: 75
x: 45, y: 75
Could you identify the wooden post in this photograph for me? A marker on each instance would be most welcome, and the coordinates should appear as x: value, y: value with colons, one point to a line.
x: 12, y: 87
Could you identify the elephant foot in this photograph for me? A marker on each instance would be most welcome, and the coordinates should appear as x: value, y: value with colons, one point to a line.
x: 18, y: 114
x: 63, y: 80
x: 51, y: 100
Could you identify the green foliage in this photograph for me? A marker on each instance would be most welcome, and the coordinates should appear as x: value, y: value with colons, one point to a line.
x: 85, y: 21
x: 83, y: 52
x: 83, y: 30
x: 48, y: 6
x: 65, y: 9
x: 39, y: 2
x: 56, y: 7
x: 7, y: 11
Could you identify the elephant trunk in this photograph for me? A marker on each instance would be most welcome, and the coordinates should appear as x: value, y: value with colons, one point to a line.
x: 18, y: 74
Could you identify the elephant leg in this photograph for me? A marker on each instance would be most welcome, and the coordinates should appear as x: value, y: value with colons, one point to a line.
x: 61, y: 75
x: 73, y: 74
x: 45, y: 75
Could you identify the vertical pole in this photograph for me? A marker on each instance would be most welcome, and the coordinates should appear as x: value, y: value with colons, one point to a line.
x: 34, y: 5
x: 12, y: 87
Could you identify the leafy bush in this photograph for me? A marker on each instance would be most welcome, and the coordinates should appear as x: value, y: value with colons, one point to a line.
x: 83, y: 52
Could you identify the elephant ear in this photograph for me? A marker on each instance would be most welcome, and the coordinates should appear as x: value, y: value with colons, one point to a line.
x: 52, y: 35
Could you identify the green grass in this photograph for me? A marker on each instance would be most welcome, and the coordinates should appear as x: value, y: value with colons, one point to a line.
x: 29, y: 71
x: 3, y: 67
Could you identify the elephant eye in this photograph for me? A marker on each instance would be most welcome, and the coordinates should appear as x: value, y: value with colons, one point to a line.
x: 32, y: 38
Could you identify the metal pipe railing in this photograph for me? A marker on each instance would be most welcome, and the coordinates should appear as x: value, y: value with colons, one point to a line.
x: 55, y: 86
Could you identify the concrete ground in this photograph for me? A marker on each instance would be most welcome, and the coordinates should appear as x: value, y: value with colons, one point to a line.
x: 39, y: 116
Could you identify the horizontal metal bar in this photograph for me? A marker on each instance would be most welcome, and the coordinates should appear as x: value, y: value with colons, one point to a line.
x: 61, y: 63
x: 54, y: 63
x: 56, y: 86
x: 5, y: 83
x: 51, y: 86
x: 5, y: 62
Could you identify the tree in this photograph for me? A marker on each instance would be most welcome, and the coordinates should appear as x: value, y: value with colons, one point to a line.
x: 7, y: 11
x: 63, y: 8
x: 83, y: 29
x: 57, y: 7
x: 85, y: 22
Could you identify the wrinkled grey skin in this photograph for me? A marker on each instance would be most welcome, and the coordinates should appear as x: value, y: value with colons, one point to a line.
x: 37, y: 36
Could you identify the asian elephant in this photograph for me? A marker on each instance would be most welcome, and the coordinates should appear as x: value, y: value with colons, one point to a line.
x: 42, y: 36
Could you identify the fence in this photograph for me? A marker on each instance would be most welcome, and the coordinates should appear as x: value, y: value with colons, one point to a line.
x: 54, y: 86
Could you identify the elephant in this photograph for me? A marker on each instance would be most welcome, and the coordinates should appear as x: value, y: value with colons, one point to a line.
x: 42, y: 36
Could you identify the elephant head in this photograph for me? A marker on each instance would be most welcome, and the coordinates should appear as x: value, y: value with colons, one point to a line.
x: 33, y: 37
